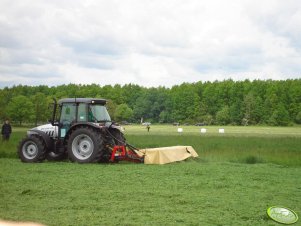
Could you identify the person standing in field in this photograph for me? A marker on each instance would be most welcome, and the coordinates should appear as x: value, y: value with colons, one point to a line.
x: 6, y: 130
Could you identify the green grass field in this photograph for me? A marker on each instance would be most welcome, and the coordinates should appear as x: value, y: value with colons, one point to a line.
x: 237, y: 176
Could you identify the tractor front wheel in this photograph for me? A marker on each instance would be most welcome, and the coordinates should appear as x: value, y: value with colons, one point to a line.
x: 32, y: 149
x: 85, y: 145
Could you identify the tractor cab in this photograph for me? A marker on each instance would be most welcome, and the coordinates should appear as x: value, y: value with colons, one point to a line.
x: 73, y: 111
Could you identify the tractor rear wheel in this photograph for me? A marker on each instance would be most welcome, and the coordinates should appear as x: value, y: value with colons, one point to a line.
x: 32, y: 149
x: 119, y: 138
x: 114, y: 138
x: 85, y: 145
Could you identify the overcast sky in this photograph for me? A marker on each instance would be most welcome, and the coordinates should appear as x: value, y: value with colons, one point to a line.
x: 148, y: 42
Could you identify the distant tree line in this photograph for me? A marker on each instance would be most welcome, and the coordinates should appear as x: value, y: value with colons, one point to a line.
x: 225, y: 102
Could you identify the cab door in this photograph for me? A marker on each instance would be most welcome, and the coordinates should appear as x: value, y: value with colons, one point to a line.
x: 67, y: 117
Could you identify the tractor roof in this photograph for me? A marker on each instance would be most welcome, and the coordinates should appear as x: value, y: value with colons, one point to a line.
x: 83, y: 100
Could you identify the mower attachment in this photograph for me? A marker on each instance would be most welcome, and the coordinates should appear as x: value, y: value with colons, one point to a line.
x: 161, y: 155
x: 126, y: 153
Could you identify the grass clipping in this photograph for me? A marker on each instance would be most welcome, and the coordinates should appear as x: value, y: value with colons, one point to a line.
x: 165, y: 155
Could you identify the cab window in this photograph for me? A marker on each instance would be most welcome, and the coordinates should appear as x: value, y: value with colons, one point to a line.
x: 68, y: 113
x: 81, y: 115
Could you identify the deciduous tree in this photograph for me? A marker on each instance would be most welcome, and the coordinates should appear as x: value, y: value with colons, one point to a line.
x: 20, y: 109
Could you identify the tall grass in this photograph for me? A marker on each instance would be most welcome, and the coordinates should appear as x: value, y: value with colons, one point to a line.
x: 284, y: 151
x: 8, y: 149
x: 280, y: 147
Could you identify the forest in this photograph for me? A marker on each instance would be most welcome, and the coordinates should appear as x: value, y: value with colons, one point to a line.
x: 228, y: 102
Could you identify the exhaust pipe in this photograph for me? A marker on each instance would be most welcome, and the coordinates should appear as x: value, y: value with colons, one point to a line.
x: 54, y: 111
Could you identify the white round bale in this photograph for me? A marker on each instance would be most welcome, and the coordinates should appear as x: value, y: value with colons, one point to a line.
x: 180, y: 130
x: 203, y: 130
x: 221, y: 130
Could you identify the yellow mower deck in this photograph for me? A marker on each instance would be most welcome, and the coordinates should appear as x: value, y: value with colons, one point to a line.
x: 165, y: 155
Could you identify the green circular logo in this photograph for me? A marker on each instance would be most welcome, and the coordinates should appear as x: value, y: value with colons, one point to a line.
x: 282, y: 215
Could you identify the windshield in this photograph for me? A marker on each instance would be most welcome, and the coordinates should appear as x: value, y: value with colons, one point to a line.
x: 98, y: 113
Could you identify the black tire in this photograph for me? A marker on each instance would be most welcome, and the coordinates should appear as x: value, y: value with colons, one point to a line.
x: 113, y: 137
x: 85, y: 145
x: 119, y: 138
x: 32, y: 149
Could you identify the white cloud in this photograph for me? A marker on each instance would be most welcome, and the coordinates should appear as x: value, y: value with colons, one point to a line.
x: 149, y: 43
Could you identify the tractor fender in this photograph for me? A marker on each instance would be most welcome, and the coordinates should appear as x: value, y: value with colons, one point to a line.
x: 48, y: 141
x: 86, y: 124
x: 116, y: 127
